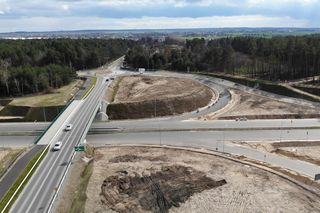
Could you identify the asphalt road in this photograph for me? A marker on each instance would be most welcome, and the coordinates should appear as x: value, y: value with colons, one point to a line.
x: 39, y: 192
x: 219, y: 140
x: 19, y: 166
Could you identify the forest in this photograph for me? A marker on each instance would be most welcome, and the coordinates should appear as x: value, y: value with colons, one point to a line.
x: 275, y: 59
x: 32, y: 66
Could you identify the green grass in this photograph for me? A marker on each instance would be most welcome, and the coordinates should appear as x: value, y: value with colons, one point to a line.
x: 93, y: 83
x: 311, y: 90
x: 264, y: 86
x: 56, y: 97
x: 116, y: 88
x: 80, y: 198
x: 19, y: 180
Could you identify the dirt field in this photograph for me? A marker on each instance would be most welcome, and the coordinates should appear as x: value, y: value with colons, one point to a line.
x: 56, y: 97
x: 136, y: 179
x: 259, y: 107
x: 147, y: 96
x: 141, y: 88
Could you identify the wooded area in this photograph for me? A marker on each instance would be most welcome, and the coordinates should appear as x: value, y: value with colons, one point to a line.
x: 277, y: 58
x: 31, y: 66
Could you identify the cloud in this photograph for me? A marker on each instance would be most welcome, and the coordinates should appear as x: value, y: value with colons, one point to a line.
x: 61, y: 14
x: 65, y: 7
x: 74, y: 23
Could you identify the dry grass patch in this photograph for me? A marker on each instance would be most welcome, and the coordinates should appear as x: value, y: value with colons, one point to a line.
x: 55, y: 98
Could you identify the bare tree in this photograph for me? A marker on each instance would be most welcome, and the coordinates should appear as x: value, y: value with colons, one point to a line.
x: 4, y: 64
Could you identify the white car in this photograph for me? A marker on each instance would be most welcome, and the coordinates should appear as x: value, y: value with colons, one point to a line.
x: 68, y: 127
x: 57, y: 146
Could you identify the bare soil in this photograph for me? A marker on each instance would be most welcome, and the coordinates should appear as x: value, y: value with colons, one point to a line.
x: 150, y: 96
x: 253, y: 106
x: 305, y: 151
x: 140, y: 179
x: 141, y: 88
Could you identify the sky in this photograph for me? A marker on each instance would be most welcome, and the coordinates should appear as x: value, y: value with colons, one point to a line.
x: 53, y: 15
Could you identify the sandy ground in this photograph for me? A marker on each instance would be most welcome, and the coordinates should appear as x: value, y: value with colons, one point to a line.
x: 305, y: 151
x: 247, y: 189
x: 247, y: 104
x: 141, y: 88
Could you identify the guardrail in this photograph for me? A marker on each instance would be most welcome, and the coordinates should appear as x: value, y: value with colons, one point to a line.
x: 84, y: 133
x: 52, y: 122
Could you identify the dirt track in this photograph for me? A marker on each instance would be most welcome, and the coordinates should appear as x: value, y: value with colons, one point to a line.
x: 198, y: 183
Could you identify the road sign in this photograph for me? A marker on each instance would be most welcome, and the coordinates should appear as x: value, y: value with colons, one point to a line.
x: 79, y: 148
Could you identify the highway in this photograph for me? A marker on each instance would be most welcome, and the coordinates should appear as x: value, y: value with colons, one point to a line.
x: 287, y: 129
x: 40, y: 190
x: 39, y: 193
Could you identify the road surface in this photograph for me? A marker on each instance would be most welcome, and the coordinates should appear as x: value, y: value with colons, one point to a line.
x: 40, y: 190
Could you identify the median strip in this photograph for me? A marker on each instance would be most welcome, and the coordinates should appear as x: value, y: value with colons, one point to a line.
x: 112, y: 131
x: 93, y: 83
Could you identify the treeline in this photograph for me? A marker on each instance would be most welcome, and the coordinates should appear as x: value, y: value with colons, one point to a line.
x: 277, y: 58
x: 29, y: 66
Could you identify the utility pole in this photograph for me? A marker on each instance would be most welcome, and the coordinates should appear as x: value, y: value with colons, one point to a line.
x: 281, y: 131
x: 155, y: 107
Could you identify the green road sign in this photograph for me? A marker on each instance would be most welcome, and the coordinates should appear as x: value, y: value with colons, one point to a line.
x: 79, y: 148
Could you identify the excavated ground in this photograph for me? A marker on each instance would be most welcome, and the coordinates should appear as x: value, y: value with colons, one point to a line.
x: 253, y: 106
x: 145, y: 179
x: 149, y: 96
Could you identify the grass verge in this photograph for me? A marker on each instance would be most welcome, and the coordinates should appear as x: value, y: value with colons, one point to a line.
x: 35, y: 161
x: 93, y: 83
x: 80, y: 197
x: 9, y: 159
x: 263, y: 85
x: 116, y: 88
x: 56, y: 97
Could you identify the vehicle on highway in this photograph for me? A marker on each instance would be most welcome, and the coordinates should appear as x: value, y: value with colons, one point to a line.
x: 112, y: 78
x: 68, y: 127
x: 57, y: 146
x: 107, y: 79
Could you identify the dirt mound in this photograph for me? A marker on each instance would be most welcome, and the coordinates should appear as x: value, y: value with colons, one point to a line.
x: 142, y: 185
x: 135, y: 158
x: 147, y: 96
x: 157, y: 192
